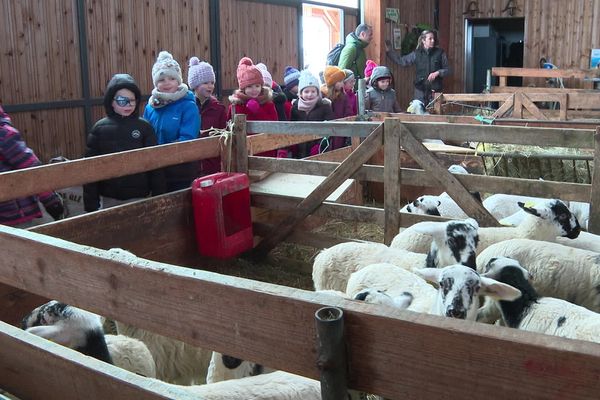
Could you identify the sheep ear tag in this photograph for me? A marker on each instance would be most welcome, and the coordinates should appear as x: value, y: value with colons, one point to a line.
x: 529, y: 207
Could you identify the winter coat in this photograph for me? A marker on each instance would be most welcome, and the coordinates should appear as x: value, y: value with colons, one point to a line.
x: 213, y: 115
x: 279, y: 99
x: 341, y: 107
x: 353, y: 56
x: 14, y: 154
x: 116, y: 133
x: 426, y: 62
x: 382, y: 100
x: 353, y: 100
x: 321, y: 112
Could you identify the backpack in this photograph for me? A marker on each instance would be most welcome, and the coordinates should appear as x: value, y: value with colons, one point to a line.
x: 333, y: 57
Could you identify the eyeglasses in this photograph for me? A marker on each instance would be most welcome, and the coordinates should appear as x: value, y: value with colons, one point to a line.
x: 123, y: 101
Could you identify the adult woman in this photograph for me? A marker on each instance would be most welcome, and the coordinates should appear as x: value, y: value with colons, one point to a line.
x: 431, y: 65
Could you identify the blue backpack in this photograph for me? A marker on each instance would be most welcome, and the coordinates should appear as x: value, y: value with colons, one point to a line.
x: 333, y: 57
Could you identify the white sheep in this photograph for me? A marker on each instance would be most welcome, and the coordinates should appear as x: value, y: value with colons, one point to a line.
x: 534, y: 313
x: 457, y: 295
x: 82, y: 331
x: 442, y: 205
x: 276, y: 385
x: 455, y: 242
x: 543, y: 222
x: 375, y: 296
x: 557, y: 271
x: 502, y: 205
x: 585, y: 241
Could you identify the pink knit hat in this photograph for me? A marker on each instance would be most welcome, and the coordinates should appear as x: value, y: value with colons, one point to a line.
x: 248, y: 74
x: 267, y: 78
x: 369, y: 68
x: 199, y: 73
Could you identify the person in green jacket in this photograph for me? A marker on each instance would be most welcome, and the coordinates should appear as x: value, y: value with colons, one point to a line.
x: 353, y: 55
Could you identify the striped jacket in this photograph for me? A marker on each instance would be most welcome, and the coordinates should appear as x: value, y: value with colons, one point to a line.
x: 14, y: 154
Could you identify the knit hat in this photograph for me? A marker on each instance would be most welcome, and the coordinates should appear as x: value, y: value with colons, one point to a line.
x: 349, y: 75
x: 199, y: 73
x: 290, y: 77
x: 248, y: 74
x: 333, y: 75
x: 369, y: 68
x: 166, y: 65
x: 306, y: 80
x: 267, y: 78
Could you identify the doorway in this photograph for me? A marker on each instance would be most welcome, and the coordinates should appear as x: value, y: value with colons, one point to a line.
x: 496, y: 42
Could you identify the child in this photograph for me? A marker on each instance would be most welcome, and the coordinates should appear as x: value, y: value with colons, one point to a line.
x: 22, y: 212
x: 349, y: 90
x: 290, y: 79
x: 122, y: 129
x: 172, y: 111
x: 380, y: 96
x: 334, y: 81
x: 252, y: 98
x: 368, y: 71
x: 279, y: 98
x: 201, y: 79
x: 309, y: 106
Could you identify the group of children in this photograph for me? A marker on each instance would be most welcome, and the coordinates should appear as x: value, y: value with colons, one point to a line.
x: 177, y: 112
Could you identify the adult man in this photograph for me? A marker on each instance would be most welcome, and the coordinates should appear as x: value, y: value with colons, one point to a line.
x: 353, y: 55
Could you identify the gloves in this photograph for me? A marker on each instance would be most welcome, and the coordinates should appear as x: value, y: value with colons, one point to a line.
x: 56, y: 210
x: 253, y: 106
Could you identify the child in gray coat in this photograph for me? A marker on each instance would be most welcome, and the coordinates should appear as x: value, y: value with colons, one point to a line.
x: 381, y: 96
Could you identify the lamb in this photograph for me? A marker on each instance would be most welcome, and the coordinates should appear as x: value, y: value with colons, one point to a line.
x: 544, y: 222
x: 442, y: 205
x: 502, y: 205
x: 455, y: 242
x: 82, y: 331
x: 534, y: 313
x: 585, y: 241
x: 457, y: 296
x: 375, y: 296
x: 557, y: 271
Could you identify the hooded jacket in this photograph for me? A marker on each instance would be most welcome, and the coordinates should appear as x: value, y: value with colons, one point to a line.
x: 381, y: 100
x: 116, y: 133
x: 353, y: 56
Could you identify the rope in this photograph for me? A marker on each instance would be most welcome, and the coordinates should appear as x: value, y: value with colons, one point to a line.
x: 225, y: 139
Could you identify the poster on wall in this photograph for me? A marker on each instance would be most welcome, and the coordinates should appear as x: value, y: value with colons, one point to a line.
x: 397, y: 38
x: 595, y: 58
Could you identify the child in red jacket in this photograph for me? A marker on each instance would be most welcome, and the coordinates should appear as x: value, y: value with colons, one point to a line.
x: 213, y: 114
x: 253, y: 98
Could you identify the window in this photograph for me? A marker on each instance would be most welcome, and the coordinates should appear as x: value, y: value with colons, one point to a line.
x: 321, y: 30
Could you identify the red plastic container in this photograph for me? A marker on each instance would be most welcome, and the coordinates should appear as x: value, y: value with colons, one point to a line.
x: 221, y: 204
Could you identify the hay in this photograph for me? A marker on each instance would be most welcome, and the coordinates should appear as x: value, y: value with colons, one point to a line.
x: 534, y: 162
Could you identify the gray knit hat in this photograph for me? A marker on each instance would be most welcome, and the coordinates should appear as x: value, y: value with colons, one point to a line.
x: 166, y: 65
x: 349, y: 75
x: 307, y: 79
x: 199, y: 72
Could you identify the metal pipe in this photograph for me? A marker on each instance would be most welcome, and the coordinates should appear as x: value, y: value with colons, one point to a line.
x: 362, y: 90
x: 331, y: 353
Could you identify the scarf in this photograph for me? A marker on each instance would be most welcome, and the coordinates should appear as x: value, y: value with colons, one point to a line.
x: 307, y: 106
x: 239, y: 97
x: 161, y: 99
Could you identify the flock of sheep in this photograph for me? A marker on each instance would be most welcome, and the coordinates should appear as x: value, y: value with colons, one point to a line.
x: 542, y: 275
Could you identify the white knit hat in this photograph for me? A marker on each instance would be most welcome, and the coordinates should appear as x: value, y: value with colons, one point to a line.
x: 199, y: 73
x: 307, y: 79
x: 266, y: 74
x: 166, y: 65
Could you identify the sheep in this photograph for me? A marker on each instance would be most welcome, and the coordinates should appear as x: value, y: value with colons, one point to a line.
x: 544, y: 222
x: 82, y: 331
x: 557, y: 271
x: 375, y: 296
x: 585, y: 241
x: 442, y: 205
x: 417, y: 107
x: 502, y: 205
x: 579, y: 209
x: 455, y: 242
x: 534, y: 313
x: 457, y: 296
x: 276, y: 385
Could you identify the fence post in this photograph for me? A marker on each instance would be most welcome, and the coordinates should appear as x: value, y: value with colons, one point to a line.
x: 391, y: 178
x: 331, y: 353
x: 594, y: 223
x: 240, y: 147
x: 361, y: 97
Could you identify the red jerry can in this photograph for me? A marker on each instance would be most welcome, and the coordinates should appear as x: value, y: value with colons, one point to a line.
x: 221, y: 204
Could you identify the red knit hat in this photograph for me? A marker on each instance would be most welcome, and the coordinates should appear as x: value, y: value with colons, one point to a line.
x: 369, y: 68
x: 248, y: 74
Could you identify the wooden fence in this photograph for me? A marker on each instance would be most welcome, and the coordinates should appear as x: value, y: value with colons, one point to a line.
x: 392, y: 355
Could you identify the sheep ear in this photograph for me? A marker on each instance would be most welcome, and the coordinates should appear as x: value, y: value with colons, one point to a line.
x: 429, y: 274
x: 439, y: 203
x: 528, y: 208
x: 498, y: 290
x: 50, y: 332
x: 436, y: 229
x: 472, y: 222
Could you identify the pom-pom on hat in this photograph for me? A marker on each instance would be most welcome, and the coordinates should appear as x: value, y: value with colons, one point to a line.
x: 290, y: 77
x: 369, y: 68
x: 307, y: 80
x: 199, y: 72
x: 248, y: 74
x: 333, y: 75
x: 267, y: 78
x: 349, y: 75
x: 166, y: 65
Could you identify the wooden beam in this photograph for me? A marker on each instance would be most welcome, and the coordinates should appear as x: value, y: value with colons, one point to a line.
x: 240, y: 144
x: 327, y: 128
x: 545, y: 72
x: 504, y: 108
x: 354, y: 161
x: 518, y: 105
x: 544, y: 90
x: 35, y: 180
x: 594, y: 223
x: 392, y: 176
x: 481, y: 97
x: 532, y: 108
x: 453, y: 187
x: 228, y: 314
x: 265, y: 142
x: 35, y: 368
